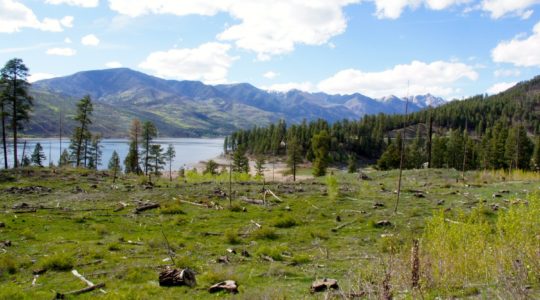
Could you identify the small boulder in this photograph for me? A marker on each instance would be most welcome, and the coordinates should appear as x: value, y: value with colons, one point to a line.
x: 383, y: 223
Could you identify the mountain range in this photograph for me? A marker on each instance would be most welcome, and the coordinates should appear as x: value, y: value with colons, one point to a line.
x: 192, y: 108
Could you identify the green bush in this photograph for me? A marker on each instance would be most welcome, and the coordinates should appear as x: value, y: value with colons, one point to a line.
x: 285, y: 222
x: 265, y: 233
x: 58, y: 262
x: 232, y: 237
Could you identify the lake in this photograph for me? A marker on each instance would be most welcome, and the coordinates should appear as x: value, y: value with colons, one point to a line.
x: 188, y: 150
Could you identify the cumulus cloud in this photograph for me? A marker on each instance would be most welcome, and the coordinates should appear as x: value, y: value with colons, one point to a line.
x: 61, y: 51
x: 90, y: 40
x: 40, y: 76
x: 113, y: 64
x: 523, y: 52
x: 500, y: 87
x: 285, y: 87
x: 270, y: 75
x: 436, y: 78
x: 266, y: 27
x: 209, y: 62
x: 81, y: 3
x: 15, y: 16
x: 500, y: 8
x: 392, y: 9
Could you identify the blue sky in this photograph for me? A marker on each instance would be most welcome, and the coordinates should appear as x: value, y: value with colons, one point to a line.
x: 450, y: 48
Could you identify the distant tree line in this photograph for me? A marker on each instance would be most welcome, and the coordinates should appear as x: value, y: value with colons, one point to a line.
x: 477, y: 133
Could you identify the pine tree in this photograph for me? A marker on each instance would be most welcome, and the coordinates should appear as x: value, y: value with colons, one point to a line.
x: 64, y: 159
x: 4, y: 96
x: 352, y: 164
x: 391, y: 156
x: 259, y: 165
x: 536, y: 156
x: 81, y: 133
x: 240, y: 160
x: 156, y: 160
x: 38, y: 156
x: 114, y: 165
x: 294, y: 156
x: 14, y: 76
x: 131, y: 162
x: 95, y: 152
x: 149, y: 132
x: 170, y: 154
x: 321, y: 146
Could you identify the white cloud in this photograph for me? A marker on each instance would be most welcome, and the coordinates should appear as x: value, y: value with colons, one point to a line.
x: 15, y: 16
x: 392, y: 9
x: 90, y: 40
x: 507, y: 73
x: 113, y: 64
x: 270, y: 75
x: 61, y: 51
x: 209, y: 62
x: 285, y: 87
x: 523, y: 52
x: 500, y: 87
x: 266, y: 27
x: 67, y: 21
x: 81, y: 3
x: 40, y: 76
x: 67, y: 40
x: 500, y: 8
x: 436, y: 78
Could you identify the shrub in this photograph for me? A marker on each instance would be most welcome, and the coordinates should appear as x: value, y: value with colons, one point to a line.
x: 58, y: 262
x: 285, y: 222
x: 8, y: 264
x: 266, y: 233
x: 333, y: 187
x: 231, y: 236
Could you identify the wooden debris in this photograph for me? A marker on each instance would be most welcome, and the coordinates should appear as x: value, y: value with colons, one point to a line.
x: 252, y: 201
x: 223, y: 260
x: 121, y: 206
x: 34, y: 281
x: 30, y: 210
x: 146, y: 207
x: 336, y: 229
x: 228, y: 286
x: 81, y: 291
x: 256, y: 224
x: 88, y: 282
x: 39, y: 271
x: 273, y: 195
x: 176, y: 277
x: 440, y: 202
x: 2, y: 225
x: 232, y: 251
x: 193, y: 203
x: 378, y: 205
x: 5, y: 244
x: 363, y: 176
x: 383, y: 223
x: 267, y: 258
x: 325, y: 284
x: 496, y: 195
x: 419, y: 195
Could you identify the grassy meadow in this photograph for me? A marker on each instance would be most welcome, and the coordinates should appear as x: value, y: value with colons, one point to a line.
x: 478, y: 238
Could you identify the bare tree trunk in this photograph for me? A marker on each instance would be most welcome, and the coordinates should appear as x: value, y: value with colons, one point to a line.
x: 4, y: 143
x: 430, y: 135
x: 402, y: 152
x: 14, y: 122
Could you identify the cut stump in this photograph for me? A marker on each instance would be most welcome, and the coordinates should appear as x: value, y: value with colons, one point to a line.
x: 325, y: 284
x: 176, y: 277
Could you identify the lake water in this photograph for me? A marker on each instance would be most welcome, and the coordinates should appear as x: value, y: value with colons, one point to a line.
x: 188, y: 150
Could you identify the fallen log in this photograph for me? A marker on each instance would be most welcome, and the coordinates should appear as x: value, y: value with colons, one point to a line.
x: 228, y: 286
x: 325, y: 284
x: 336, y: 229
x: 88, y: 282
x: 146, y: 207
x: 176, y: 277
x: 274, y: 195
x: 193, y: 203
x: 81, y: 291
x: 121, y: 206
x: 252, y: 201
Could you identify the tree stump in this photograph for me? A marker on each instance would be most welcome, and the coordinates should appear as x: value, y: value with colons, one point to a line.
x: 227, y: 286
x: 325, y: 284
x: 383, y: 223
x: 146, y: 207
x: 176, y: 277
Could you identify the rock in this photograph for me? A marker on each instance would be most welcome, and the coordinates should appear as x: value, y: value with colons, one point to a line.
x: 495, y: 207
x: 176, y: 277
x: 2, y: 225
x: 77, y: 190
x: 496, y: 195
x: 325, y: 284
x: 383, y: 223
x: 21, y: 206
x: 363, y: 176
x: 419, y: 195
x: 338, y: 219
x: 228, y: 286
x: 39, y: 271
x: 504, y: 192
x: 5, y: 244
x: 440, y: 202
x: 231, y: 250
x: 245, y: 253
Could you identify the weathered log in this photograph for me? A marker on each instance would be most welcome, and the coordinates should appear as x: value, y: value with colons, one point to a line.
x: 30, y: 210
x: 252, y: 201
x: 146, y: 207
x: 121, y: 206
x: 336, y: 229
x: 223, y: 260
x: 228, y: 286
x: 6, y: 243
x: 325, y: 284
x: 81, y: 291
x: 383, y: 223
x: 176, y: 277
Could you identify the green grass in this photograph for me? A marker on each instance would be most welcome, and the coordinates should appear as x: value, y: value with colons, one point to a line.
x: 303, y: 235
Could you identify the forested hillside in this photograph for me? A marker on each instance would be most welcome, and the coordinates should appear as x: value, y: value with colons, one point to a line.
x: 498, y: 131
